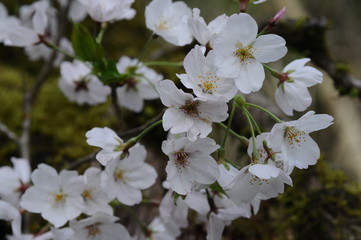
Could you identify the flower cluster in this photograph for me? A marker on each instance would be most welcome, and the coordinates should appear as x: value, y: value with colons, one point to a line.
x: 229, y: 63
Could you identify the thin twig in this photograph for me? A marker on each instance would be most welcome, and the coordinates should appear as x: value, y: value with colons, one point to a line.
x: 10, y: 134
x: 137, y: 130
x: 88, y: 158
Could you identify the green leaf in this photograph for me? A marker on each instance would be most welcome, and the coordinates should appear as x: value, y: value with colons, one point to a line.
x: 216, y: 187
x: 84, y: 44
x: 108, y: 72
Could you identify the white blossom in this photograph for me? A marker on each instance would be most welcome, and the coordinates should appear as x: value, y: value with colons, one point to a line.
x: 101, y: 226
x: 190, y: 163
x: 126, y: 178
x: 201, y: 76
x: 95, y: 197
x: 80, y: 86
x: 109, y: 10
x: 34, y: 22
x: 169, y: 20
x: 57, y: 197
x: 13, y: 181
x: 138, y: 87
x: 292, y: 93
x: 202, y: 32
x: 188, y: 114
x: 108, y: 140
x: 240, y: 53
x: 294, y: 139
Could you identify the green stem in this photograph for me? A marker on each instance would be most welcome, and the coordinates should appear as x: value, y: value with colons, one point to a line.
x: 253, y: 121
x: 167, y: 64
x: 255, y: 155
x: 266, y: 111
x: 274, y: 72
x: 100, y: 36
x: 242, y: 139
x: 58, y: 49
x: 146, y: 47
x: 229, y: 124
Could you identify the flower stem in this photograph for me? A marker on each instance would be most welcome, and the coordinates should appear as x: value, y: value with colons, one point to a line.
x: 242, y: 139
x: 266, y: 111
x: 229, y: 124
x: 146, y: 47
x: 58, y: 49
x: 253, y: 121
x: 167, y: 64
x: 101, y: 33
x: 255, y: 156
x: 274, y: 72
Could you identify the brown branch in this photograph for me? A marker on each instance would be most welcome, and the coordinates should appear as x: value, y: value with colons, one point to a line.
x: 308, y: 36
x: 88, y: 158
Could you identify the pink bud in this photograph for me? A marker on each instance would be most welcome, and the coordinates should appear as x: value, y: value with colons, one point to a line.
x: 278, y: 16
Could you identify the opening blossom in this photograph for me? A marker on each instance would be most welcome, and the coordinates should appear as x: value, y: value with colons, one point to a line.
x: 188, y: 114
x: 80, y: 86
x: 169, y: 20
x: 240, y: 53
x: 112, y: 145
x: 201, y: 76
x: 292, y: 93
x: 190, y: 163
x: 57, y: 197
x: 139, y: 87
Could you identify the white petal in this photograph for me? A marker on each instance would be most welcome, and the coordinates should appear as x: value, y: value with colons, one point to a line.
x: 296, y: 64
x: 251, y: 77
x: 269, y: 48
x: 264, y: 171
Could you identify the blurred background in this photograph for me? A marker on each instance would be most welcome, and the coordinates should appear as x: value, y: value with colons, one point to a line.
x: 325, y: 202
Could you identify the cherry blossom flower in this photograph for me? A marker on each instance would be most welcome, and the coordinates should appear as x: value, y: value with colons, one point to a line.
x: 169, y: 20
x: 202, y: 32
x: 158, y: 231
x: 109, y: 10
x: 57, y: 197
x: 77, y: 11
x: 201, y: 76
x: 292, y: 93
x: 190, y: 163
x: 187, y: 114
x: 99, y: 226
x: 35, y: 22
x: 295, y: 141
x: 139, y: 87
x: 108, y: 140
x: 14, y: 181
x: 80, y: 86
x: 9, y: 213
x: 6, y: 22
x: 173, y: 216
x: 240, y: 53
x: 95, y: 197
x: 253, y: 179
x: 126, y: 178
